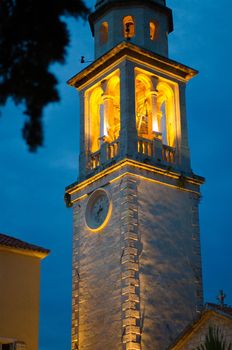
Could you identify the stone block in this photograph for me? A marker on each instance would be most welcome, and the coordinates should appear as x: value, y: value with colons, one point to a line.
x: 129, y: 338
x: 129, y: 322
x: 129, y: 305
x: 131, y: 297
x: 130, y: 266
x: 128, y: 289
x: 131, y: 235
x: 128, y: 258
x: 133, y: 329
x: 128, y: 274
x: 133, y: 346
x: 131, y: 250
x: 132, y: 313
x: 131, y: 281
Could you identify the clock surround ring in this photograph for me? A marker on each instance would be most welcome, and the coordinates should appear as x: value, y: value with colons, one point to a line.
x: 98, y: 210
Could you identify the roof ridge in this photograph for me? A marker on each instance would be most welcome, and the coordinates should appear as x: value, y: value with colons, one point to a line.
x: 12, y: 242
x: 224, y: 308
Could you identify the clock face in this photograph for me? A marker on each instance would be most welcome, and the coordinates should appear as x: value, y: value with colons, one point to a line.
x: 98, y: 210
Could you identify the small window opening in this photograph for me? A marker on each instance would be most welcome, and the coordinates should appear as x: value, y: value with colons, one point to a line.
x: 152, y: 30
x: 104, y: 30
x: 129, y: 27
x: 6, y: 346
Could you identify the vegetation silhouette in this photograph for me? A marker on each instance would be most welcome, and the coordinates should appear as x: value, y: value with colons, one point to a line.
x: 215, y: 341
x: 33, y: 35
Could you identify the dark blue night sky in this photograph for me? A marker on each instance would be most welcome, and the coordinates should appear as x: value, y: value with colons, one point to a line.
x: 32, y: 185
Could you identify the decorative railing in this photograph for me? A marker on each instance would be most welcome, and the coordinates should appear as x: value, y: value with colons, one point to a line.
x: 168, y: 154
x: 113, y: 149
x: 145, y: 146
x: 154, y: 149
x: 108, y: 151
x: 95, y: 160
x: 151, y: 149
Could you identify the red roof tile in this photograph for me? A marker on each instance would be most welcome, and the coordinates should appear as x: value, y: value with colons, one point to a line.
x: 8, y: 241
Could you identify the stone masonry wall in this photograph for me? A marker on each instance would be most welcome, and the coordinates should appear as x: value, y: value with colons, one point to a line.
x: 97, y: 280
x: 137, y: 283
x: 170, y: 264
x: 130, y: 245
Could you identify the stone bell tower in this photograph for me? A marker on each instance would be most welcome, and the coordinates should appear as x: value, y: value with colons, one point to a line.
x: 136, y: 248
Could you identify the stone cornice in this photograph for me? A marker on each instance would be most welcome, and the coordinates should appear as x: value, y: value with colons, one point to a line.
x: 144, y: 171
x: 138, y: 54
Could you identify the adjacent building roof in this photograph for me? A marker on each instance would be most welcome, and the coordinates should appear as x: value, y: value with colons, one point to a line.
x: 226, y: 309
x: 210, y: 309
x: 22, y: 247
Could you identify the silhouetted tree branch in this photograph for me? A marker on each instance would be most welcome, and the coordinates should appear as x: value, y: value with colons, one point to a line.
x: 32, y: 37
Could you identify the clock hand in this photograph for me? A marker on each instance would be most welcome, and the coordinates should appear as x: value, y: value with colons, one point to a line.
x: 99, y: 210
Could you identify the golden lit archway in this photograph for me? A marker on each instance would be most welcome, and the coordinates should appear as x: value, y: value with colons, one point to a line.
x: 102, y: 109
x: 166, y: 113
x: 155, y: 106
x: 143, y: 106
x: 95, y: 118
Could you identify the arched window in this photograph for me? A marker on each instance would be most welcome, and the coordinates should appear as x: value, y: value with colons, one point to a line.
x: 113, y: 108
x: 95, y: 118
x: 155, y: 109
x: 143, y: 106
x: 128, y: 27
x: 103, y: 112
x: 152, y: 30
x: 166, y: 113
x: 104, y: 30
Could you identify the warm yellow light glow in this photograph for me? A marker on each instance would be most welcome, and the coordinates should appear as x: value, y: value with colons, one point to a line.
x: 95, y: 108
x: 148, y: 168
x: 128, y: 27
x: 143, y: 106
x: 155, y: 108
x: 27, y: 252
x: 158, y: 65
x: 152, y: 30
x: 127, y: 173
x: 155, y: 125
x: 104, y: 224
x: 166, y: 110
x: 102, y: 112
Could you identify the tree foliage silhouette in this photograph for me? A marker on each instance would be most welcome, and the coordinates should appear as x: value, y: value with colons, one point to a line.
x: 33, y: 35
x: 215, y: 341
